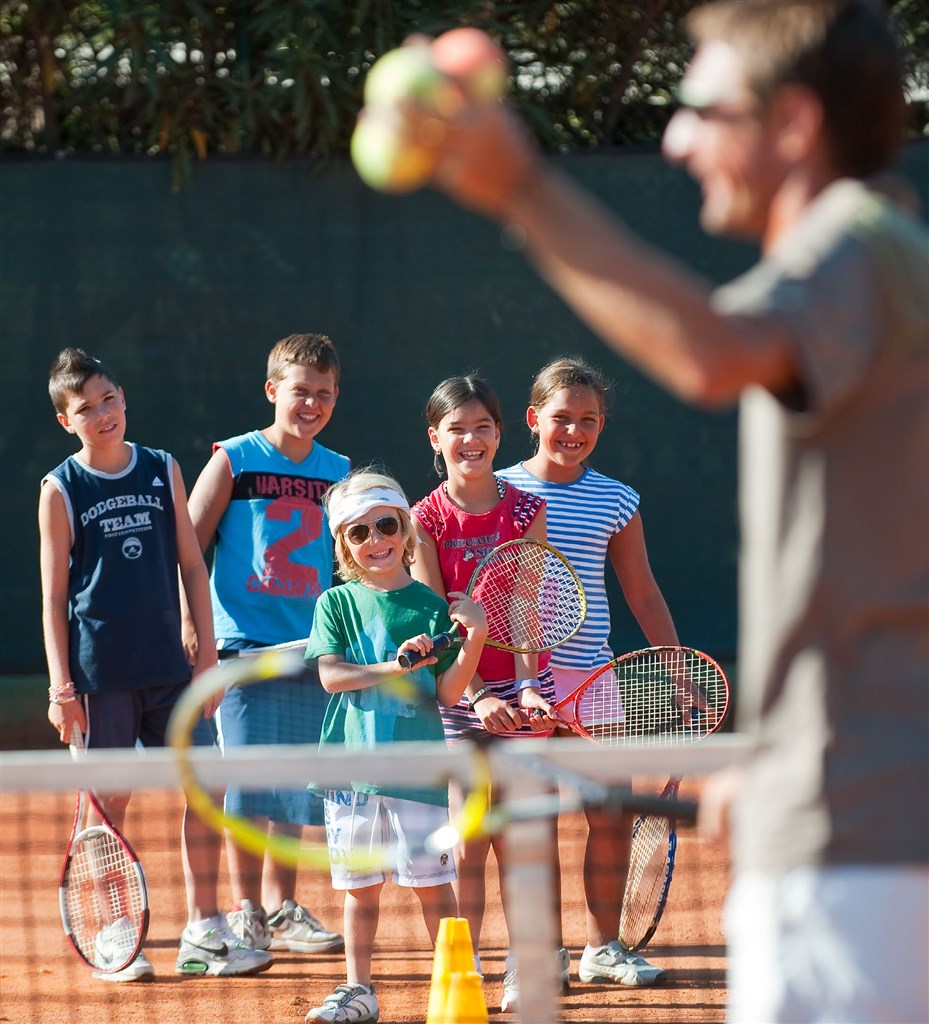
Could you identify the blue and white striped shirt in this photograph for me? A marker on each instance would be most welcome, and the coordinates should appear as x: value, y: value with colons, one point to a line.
x: 582, y: 517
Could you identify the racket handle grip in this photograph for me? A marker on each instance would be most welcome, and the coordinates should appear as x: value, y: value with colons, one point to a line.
x: 440, y: 642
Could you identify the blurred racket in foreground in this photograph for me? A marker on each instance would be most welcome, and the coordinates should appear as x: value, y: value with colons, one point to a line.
x: 533, y: 599
x: 101, y: 892
x: 478, y: 818
x: 282, y: 663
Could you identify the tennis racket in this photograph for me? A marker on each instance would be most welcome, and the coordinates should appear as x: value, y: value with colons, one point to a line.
x: 533, y: 599
x: 478, y: 819
x: 651, y: 866
x: 101, y: 892
x: 660, y: 695
x: 257, y: 667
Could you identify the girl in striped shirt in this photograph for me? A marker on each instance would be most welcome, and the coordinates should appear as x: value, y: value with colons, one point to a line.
x: 592, y: 519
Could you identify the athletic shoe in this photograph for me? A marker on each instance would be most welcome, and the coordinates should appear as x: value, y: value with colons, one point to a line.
x: 511, y: 979
x: 613, y: 963
x: 115, y: 943
x: 219, y: 952
x: 139, y: 970
x: 293, y: 927
x: 249, y: 925
x: 349, y: 1004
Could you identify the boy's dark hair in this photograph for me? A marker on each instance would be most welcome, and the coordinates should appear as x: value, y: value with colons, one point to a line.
x: 314, y: 350
x: 69, y: 374
x: 844, y: 51
x: 451, y: 394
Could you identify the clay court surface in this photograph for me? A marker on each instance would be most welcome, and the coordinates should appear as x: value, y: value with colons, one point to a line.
x: 43, y: 982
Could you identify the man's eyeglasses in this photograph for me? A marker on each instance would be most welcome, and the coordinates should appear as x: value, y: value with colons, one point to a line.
x: 386, y: 526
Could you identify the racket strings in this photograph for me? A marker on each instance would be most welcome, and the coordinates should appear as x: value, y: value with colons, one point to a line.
x: 670, y: 697
x: 104, y: 896
x: 649, y: 862
x: 531, y: 597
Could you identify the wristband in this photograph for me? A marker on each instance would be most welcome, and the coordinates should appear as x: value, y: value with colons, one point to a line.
x: 524, y: 684
x: 481, y: 693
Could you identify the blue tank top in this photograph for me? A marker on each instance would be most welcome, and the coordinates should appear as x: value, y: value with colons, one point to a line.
x: 125, y: 618
x: 273, y: 555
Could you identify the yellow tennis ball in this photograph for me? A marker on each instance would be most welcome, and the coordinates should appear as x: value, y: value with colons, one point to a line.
x: 384, y: 157
x: 407, y: 73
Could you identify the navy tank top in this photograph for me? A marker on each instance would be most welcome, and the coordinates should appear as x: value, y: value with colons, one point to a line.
x: 125, y: 621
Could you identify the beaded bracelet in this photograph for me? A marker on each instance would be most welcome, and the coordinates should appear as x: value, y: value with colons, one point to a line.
x: 63, y: 695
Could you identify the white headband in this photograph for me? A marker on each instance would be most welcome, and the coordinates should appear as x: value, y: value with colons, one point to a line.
x: 351, y: 506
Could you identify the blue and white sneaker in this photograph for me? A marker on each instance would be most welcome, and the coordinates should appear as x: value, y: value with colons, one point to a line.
x: 348, y: 1004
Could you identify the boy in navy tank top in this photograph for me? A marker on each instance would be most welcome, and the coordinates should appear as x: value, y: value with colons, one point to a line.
x: 115, y: 530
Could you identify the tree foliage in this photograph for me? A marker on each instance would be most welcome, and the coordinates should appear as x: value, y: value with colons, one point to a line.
x: 284, y: 77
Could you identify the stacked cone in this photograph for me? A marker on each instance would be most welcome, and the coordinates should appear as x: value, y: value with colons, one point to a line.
x: 456, y: 995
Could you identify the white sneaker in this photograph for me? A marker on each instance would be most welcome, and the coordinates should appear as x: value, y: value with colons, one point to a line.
x: 114, y: 944
x: 613, y: 963
x: 293, y: 927
x: 349, y: 1004
x: 219, y: 952
x: 249, y: 924
x: 511, y: 979
x: 139, y: 970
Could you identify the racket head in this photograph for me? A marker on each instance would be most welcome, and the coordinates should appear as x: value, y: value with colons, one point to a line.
x: 533, y: 598
x: 651, y: 868
x: 665, y: 696
x: 267, y: 667
x: 102, y: 895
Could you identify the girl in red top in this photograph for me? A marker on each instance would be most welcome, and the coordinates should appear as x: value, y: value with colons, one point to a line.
x: 464, y: 518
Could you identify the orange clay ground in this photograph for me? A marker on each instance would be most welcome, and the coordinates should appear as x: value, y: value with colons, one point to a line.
x: 43, y: 982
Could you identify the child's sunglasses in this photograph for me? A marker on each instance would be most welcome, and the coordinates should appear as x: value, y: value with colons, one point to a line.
x: 386, y: 526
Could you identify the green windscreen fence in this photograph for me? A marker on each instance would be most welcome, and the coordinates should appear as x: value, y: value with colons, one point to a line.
x: 183, y: 293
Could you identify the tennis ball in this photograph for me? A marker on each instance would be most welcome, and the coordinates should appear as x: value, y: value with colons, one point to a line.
x: 474, y: 59
x: 407, y: 73
x: 384, y: 157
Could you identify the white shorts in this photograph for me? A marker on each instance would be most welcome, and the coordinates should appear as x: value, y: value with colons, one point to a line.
x: 567, y: 680
x: 364, y: 821
x: 834, y: 945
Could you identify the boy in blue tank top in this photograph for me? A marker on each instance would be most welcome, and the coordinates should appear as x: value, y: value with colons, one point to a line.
x: 259, y: 499
x: 115, y: 530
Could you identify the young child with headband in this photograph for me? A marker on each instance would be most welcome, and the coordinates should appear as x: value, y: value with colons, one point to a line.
x: 359, y: 630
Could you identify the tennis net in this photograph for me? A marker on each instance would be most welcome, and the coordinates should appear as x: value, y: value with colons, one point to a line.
x: 45, y: 983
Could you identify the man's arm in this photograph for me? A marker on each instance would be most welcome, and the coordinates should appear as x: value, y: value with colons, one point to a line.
x: 651, y: 310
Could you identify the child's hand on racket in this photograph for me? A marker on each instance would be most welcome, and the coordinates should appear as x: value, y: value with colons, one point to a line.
x: 63, y: 718
x: 421, y: 645
x: 497, y: 716
x: 469, y: 614
x: 538, y: 711
x: 689, y: 695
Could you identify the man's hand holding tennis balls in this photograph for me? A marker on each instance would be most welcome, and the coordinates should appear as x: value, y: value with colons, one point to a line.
x: 418, y: 98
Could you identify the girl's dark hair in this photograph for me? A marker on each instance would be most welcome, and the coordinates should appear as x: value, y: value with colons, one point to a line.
x: 451, y: 394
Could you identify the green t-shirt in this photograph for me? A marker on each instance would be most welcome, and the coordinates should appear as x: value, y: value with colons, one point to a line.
x: 366, y: 627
